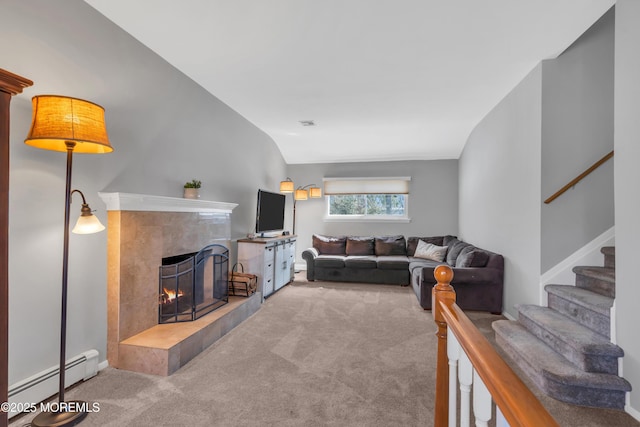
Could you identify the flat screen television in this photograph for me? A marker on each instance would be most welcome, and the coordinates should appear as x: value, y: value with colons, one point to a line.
x: 270, y: 212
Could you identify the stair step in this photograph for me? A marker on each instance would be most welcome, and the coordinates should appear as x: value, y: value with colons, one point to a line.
x: 609, y: 253
x: 587, y: 349
x: 601, y: 280
x: 585, y: 307
x: 554, y: 374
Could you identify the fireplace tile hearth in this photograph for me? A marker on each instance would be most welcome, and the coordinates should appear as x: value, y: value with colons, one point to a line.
x: 164, y: 348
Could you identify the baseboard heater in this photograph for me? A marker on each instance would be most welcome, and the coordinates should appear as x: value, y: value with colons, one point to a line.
x: 45, y: 384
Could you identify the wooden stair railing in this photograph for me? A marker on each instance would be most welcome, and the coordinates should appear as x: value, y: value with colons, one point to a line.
x: 517, y: 404
x: 579, y: 178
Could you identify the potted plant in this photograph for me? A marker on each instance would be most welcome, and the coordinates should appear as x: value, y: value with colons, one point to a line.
x: 192, y: 189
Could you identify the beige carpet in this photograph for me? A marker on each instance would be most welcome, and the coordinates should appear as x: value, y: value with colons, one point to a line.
x: 315, y: 354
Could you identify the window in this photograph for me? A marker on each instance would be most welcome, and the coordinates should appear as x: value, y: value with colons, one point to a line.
x: 367, y: 199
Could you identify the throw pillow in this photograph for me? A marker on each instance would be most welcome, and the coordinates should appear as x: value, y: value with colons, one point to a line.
x: 472, y: 257
x: 430, y: 251
x: 455, y: 247
x: 412, y: 243
x: 327, y: 245
x: 390, y: 245
x: 360, y: 245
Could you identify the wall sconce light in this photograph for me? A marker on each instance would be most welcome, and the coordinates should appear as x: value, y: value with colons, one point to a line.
x: 60, y: 123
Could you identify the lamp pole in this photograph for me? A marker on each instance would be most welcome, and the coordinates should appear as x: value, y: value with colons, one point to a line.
x: 64, y: 416
x: 294, y: 216
x: 65, y: 271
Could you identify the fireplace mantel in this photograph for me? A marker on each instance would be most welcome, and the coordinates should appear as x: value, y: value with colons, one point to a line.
x: 150, y: 203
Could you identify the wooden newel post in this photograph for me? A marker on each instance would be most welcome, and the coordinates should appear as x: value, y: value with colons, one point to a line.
x: 442, y: 292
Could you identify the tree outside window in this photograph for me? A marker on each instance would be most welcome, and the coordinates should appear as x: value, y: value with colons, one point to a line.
x: 374, y: 205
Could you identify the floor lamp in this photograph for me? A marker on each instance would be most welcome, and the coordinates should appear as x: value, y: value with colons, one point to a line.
x: 66, y: 124
x: 300, y: 193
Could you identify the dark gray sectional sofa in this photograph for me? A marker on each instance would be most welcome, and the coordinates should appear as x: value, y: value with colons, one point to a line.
x: 478, y: 273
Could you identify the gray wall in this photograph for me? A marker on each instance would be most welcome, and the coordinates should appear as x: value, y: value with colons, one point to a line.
x: 500, y: 188
x: 165, y: 129
x: 577, y: 130
x: 627, y: 196
x: 551, y: 127
x: 433, y: 199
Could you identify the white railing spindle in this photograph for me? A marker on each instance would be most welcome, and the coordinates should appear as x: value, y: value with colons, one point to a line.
x: 465, y: 376
x: 462, y: 375
x: 453, y: 353
x: 481, y: 401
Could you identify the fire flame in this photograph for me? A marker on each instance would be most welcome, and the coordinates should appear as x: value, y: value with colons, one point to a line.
x: 170, y: 295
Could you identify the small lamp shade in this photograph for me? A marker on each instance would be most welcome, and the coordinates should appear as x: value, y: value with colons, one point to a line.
x: 315, y: 192
x: 88, y: 225
x: 59, y: 119
x: 286, y: 186
x: 301, y: 194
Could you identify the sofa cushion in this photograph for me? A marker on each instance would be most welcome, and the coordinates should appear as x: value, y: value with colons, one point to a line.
x: 328, y: 245
x: 360, y: 261
x: 446, y: 240
x: 455, y: 247
x: 429, y: 251
x: 391, y: 245
x: 329, y: 261
x: 360, y: 245
x: 412, y: 243
x: 419, y: 263
x: 472, y: 257
x: 394, y: 262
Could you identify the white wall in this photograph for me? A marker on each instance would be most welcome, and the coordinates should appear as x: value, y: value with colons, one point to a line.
x: 165, y: 129
x: 500, y: 188
x: 627, y: 196
x: 433, y: 200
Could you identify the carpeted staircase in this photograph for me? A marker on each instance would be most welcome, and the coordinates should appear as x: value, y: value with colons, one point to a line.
x: 565, y: 348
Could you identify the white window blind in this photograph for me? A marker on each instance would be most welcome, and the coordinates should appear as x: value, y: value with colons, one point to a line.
x: 390, y: 185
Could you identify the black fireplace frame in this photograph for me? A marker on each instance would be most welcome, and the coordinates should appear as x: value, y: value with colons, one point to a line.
x: 190, y: 267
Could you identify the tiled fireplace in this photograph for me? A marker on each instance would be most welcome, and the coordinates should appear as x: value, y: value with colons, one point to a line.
x: 142, y: 230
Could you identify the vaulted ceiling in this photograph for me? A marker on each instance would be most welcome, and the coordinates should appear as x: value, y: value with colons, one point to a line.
x: 379, y: 79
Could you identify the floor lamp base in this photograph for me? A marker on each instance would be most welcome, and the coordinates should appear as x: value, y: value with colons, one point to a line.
x: 62, y: 418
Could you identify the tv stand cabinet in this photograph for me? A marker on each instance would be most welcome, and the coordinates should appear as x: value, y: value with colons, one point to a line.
x: 272, y: 259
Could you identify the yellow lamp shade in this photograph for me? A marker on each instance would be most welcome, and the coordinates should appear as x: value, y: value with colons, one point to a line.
x: 301, y: 194
x: 58, y: 120
x: 286, y: 186
x: 315, y: 192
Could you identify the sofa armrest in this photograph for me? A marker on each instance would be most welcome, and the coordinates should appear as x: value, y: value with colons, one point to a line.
x: 309, y: 255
